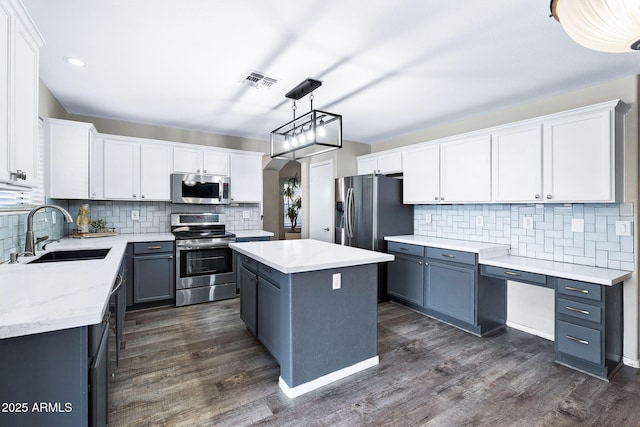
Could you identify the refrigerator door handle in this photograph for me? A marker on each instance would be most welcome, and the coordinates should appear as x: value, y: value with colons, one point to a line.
x: 349, y: 213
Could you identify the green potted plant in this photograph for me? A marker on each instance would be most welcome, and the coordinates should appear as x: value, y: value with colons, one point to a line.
x: 294, y: 204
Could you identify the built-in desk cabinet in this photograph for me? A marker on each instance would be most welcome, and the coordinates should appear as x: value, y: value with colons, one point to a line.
x: 446, y: 284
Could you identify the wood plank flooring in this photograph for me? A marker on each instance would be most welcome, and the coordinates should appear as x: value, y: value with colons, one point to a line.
x: 199, y: 366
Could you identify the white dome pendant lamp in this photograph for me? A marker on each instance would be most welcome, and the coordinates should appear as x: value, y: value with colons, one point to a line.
x: 603, y: 25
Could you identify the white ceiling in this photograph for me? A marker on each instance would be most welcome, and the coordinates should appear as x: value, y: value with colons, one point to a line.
x: 389, y: 67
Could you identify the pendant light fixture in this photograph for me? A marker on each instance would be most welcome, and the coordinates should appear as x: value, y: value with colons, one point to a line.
x: 312, y: 133
x: 603, y: 25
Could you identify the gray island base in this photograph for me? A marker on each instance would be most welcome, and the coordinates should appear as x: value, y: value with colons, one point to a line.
x: 313, y: 305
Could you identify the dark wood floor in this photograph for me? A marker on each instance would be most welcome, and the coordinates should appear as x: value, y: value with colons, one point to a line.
x: 199, y: 366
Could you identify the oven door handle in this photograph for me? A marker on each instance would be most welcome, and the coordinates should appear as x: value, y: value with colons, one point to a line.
x: 205, y: 246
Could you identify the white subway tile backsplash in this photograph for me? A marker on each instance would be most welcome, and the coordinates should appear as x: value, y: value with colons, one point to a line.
x: 551, y: 237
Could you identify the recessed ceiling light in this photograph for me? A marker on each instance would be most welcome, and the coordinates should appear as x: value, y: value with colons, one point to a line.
x: 75, y: 61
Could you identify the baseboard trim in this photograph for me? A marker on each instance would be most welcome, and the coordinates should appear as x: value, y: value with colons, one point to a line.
x: 292, y: 392
x: 631, y: 362
x: 530, y: 331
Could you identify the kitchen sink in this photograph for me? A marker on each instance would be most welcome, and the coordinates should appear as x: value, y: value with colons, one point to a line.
x: 71, y: 255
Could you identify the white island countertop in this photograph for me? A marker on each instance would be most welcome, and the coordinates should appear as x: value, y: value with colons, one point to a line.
x: 45, y: 297
x: 244, y: 234
x: 297, y: 256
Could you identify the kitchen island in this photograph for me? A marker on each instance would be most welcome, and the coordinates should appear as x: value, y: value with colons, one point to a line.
x: 313, y: 305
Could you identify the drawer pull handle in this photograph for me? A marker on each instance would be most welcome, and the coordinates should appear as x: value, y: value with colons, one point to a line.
x: 569, y: 337
x: 577, y: 310
x: 154, y: 247
x: 448, y: 256
x: 571, y: 288
x: 267, y: 269
x: 512, y: 273
x: 403, y: 249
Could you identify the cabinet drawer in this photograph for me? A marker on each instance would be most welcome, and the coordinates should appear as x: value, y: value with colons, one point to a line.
x: 248, y: 263
x: 579, y: 310
x: 152, y: 247
x: 580, y: 289
x: 403, y: 248
x: 516, y: 275
x: 579, y: 341
x: 451, y: 256
x: 271, y: 274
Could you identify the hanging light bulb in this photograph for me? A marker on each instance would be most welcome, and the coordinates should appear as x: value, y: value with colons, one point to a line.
x: 310, y: 135
x: 320, y: 129
x: 294, y: 139
x: 287, y: 144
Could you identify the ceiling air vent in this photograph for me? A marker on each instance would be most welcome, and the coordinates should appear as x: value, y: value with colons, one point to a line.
x: 258, y: 80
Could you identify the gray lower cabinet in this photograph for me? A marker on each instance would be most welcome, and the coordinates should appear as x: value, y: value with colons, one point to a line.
x: 153, y: 272
x: 405, y: 275
x: 248, y: 282
x: 269, y: 316
x: 446, y: 284
x: 260, y: 307
x: 451, y: 291
x: 588, y: 328
x: 58, y: 378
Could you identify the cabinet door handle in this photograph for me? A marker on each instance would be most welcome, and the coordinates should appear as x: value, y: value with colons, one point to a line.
x: 441, y: 197
x: 537, y: 196
x: 448, y: 256
x: 142, y: 196
x: 581, y: 341
x: 170, y: 256
x: 154, y: 247
x: 436, y: 198
x: 577, y: 310
x: 571, y: 288
x: 419, y: 262
x: 512, y: 273
x: 134, y: 196
x: 325, y: 229
x: 548, y: 196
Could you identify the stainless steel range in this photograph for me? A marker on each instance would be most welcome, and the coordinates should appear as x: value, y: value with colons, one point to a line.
x: 205, y: 265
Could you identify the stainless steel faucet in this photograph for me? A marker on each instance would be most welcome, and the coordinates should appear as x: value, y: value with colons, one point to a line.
x: 29, y: 244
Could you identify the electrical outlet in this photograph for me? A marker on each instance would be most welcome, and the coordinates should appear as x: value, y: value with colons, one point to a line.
x: 337, y: 281
x: 135, y: 215
x: 527, y: 223
x: 623, y: 228
x: 246, y: 214
x: 479, y: 221
x: 427, y: 218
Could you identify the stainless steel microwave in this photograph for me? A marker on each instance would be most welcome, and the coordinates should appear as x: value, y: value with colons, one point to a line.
x: 199, y: 189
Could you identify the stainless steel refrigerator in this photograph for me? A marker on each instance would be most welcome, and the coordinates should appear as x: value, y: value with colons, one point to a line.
x: 369, y: 207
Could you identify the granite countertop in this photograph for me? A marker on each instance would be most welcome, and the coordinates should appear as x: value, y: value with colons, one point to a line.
x: 498, y: 256
x: 296, y: 256
x: 37, y: 298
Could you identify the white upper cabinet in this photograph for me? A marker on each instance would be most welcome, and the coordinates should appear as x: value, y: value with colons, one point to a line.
x: 246, y: 178
x: 19, y: 57
x: 517, y: 163
x: 421, y: 176
x: 96, y: 166
x: 136, y: 170
x: 121, y: 169
x: 69, y: 149
x: 155, y: 171
x: 380, y: 163
x: 200, y: 161
x: 569, y: 157
x: 579, y: 158
x: 465, y: 170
